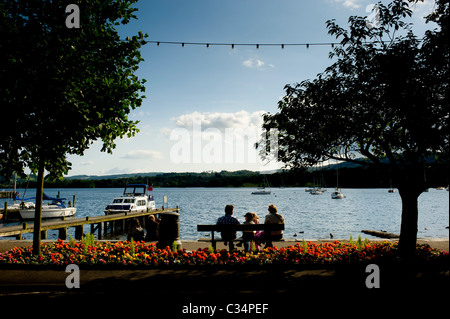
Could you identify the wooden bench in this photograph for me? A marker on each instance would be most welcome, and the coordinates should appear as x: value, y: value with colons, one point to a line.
x: 235, y: 228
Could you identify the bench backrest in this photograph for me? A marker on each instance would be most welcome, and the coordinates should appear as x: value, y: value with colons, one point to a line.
x: 241, y: 227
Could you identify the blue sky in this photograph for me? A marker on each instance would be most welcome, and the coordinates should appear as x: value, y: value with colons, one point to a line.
x: 198, y: 95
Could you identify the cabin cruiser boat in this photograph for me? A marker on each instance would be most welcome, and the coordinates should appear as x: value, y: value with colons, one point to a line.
x: 54, y: 209
x: 135, y: 199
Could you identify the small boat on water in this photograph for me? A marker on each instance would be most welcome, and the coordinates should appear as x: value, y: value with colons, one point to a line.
x: 337, y: 194
x: 316, y: 191
x: 135, y: 199
x: 262, y: 190
x: 54, y: 209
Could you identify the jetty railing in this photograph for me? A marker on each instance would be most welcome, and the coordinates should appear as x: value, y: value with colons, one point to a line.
x: 99, y: 224
x: 7, y: 194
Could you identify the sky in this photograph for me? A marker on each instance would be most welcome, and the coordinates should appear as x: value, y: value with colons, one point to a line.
x: 203, y: 107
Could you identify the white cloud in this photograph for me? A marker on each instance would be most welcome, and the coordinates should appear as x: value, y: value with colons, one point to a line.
x: 422, y: 9
x: 164, y: 131
x: 87, y: 163
x: 221, y: 121
x: 256, y: 63
x: 216, y: 138
x: 351, y: 4
x: 253, y: 63
x: 143, y: 154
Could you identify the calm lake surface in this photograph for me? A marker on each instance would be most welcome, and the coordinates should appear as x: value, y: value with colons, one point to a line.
x: 308, y: 216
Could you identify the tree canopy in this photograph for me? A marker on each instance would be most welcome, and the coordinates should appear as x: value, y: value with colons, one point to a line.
x: 64, y: 87
x: 385, y: 97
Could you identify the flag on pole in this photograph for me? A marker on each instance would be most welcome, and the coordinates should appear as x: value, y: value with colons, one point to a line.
x: 150, y: 188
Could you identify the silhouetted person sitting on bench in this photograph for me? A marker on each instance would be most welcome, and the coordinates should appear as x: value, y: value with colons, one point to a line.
x: 228, y: 219
x: 135, y: 231
x: 273, y: 218
x: 152, y: 226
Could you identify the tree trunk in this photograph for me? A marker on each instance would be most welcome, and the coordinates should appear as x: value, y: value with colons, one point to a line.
x: 38, y: 210
x: 409, y: 193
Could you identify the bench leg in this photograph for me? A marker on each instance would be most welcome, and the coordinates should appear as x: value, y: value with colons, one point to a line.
x: 213, y: 241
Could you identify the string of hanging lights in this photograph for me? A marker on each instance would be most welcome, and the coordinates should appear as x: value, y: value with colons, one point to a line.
x: 257, y: 45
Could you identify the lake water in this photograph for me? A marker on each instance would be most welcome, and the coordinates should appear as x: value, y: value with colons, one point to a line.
x: 316, y: 216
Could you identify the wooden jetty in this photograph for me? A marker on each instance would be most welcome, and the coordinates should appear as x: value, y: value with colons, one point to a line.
x: 7, y: 194
x: 101, y: 224
x: 382, y: 234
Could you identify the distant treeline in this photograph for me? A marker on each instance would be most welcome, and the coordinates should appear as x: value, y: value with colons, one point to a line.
x: 354, y: 177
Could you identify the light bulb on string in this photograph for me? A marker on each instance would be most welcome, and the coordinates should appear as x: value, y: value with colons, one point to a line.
x: 257, y: 45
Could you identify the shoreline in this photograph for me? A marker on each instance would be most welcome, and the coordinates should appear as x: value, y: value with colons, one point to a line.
x: 438, y: 243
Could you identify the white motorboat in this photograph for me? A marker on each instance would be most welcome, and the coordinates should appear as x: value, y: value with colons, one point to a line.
x: 55, y: 209
x: 135, y: 199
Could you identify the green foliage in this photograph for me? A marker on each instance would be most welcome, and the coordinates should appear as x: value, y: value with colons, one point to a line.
x: 304, y: 246
x: 174, y: 246
x: 379, y: 99
x: 359, y: 243
x: 253, y: 247
x: 132, y: 247
x: 88, y: 240
x: 67, y: 87
x: 385, y: 97
x: 72, y: 241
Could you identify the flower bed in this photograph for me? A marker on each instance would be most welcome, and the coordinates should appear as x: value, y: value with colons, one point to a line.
x: 144, y: 254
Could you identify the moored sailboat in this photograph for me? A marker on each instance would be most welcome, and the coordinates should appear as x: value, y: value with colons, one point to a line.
x: 262, y: 190
x: 337, y: 194
x: 55, y: 209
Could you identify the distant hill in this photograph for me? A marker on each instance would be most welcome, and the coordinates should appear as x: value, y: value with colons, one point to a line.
x: 350, y: 176
x: 153, y: 174
x: 96, y: 177
x: 229, y: 173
